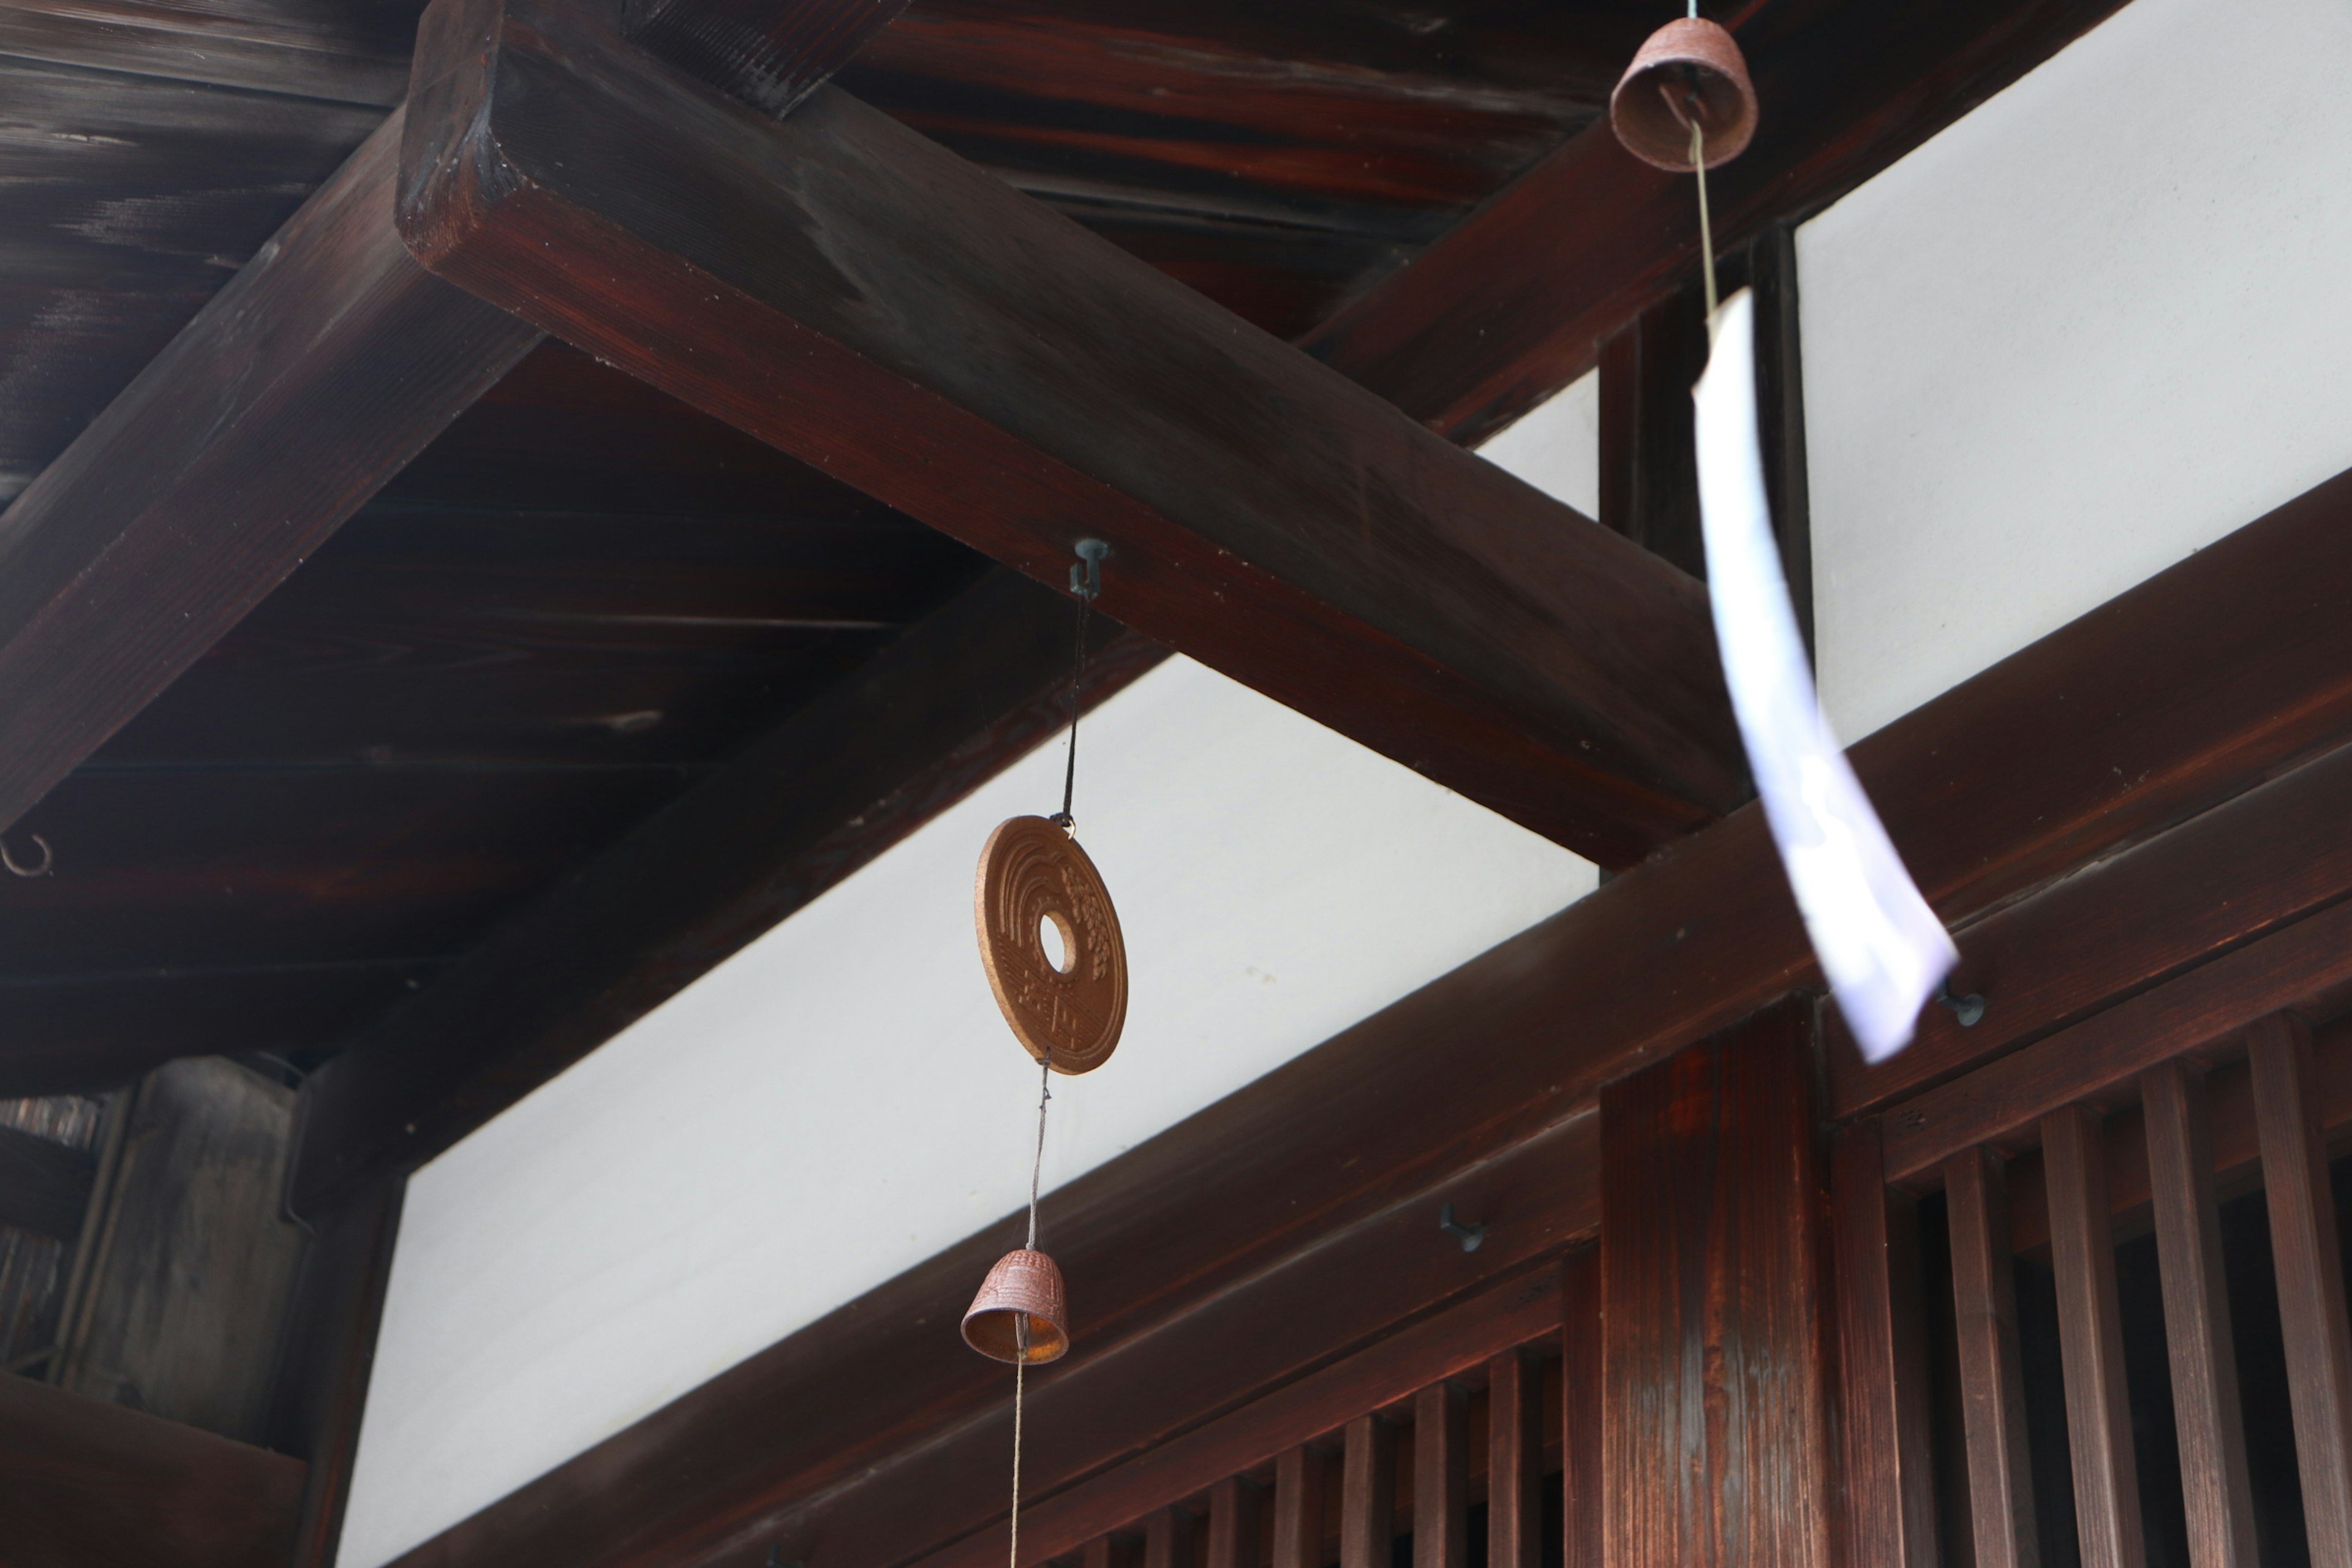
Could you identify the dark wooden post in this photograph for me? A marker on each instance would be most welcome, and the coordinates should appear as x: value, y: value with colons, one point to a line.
x: 1716, y: 1432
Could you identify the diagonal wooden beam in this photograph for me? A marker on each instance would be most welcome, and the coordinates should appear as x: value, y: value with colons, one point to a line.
x: 322, y: 367
x: 83, y: 1481
x: 328, y: 362
x: 1514, y: 302
x: 938, y: 712
x: 910, y: 324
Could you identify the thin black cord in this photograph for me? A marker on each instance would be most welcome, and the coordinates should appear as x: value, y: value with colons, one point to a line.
x: 1077, y: 689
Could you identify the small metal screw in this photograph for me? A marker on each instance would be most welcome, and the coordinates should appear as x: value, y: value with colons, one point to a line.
x: 1968, y: 1010
x: 1471, y: 1235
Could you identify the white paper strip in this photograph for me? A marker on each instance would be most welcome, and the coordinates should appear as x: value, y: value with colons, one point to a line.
x: 1881, y: 947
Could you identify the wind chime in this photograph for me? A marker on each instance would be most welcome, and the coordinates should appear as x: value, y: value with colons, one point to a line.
x: 1065, y: 1005
x: 1686, y: 103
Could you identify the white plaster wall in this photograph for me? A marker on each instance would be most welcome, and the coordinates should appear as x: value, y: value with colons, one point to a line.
x: 841, y: 1099
x: 2086, y: 331
x: 1556, y: 447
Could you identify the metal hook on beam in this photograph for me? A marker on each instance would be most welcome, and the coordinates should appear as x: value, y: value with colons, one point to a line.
x: 1470, y: 1235
x: 1086, y: 572
x: 1966, y: 1010
x: 49, y: 860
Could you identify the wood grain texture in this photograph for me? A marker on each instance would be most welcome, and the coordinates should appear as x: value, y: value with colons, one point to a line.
x: 1269, y: 517
x: 193, y: 1272
x: 1298, y: 1478
x: 1514, y: 302
x: 45, y: 1185
x: 1368, y: 1493
x: 327, y: 363
x: 2309, y: 1263
x: 2203, y: 1353
x: 312, y: 49
x: 1170, y: 1536
x: 1717, y: 1439
x: 1583, y: 1412
x: 2090, y: 1330
x: 327, y: 1357
x: 770, y: 56
x: 1234, y: 1505
x: 84, y: 1482
x: 1888, y: 1491
x: 968, y: 689
x: 1515, y: 1462
x: 1440, y: 1476
x: 2305, y: 963
x: 1992, y: 1387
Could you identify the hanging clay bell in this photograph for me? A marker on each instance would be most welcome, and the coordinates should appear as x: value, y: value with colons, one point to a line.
x: 1690, y: 65
x: 1019, y: 1314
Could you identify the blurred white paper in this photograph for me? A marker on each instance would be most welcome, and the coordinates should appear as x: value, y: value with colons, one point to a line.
x: 1881, y: 947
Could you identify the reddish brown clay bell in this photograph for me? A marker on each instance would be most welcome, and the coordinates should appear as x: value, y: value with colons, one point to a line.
x: 1019, y: 1314
x: 1689, y: 67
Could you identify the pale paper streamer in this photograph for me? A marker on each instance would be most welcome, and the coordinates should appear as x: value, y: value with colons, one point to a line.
x: 1881, y: 948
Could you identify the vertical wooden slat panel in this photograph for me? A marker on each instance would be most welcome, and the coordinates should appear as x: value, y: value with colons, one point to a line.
x: 1583, y: 1510
x: 1168, y: 1538
x: 1514, y: 1462
x: 1367, y: 1494
x: 2310, y: 1280
x: 1992, y: 1386
x: 2214, y: 1487
x: 2091, y: 1338
x: 1298, y: 1508
x: 1114, y: 1552
x: 1440, y: 1476
x: 1232, y: 1523
x: 1715, y: 1417
x: 1889, y: 1492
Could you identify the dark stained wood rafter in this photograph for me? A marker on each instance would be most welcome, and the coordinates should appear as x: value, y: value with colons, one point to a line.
x: 935, y: 714
x: 84, y: 1481
x: 1515, y: 300
x: 323, y: 367
x: 1268, y: 517
x: 1707, y: 929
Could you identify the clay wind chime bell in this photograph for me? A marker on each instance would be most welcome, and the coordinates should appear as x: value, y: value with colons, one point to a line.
x: 1050, y: 942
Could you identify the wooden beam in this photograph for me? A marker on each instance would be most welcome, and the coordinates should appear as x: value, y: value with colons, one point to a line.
x: 1715, y: 1399
x: 913, y: 326
x: 1298, y: 1473
x: 2216, y: 1494
x: 930, y: 718
x: 1368, y: 1493
x: 1441, y: 1476
x: 2091, y: 1335
x: 770, y: 55
x: 1888, y: 1498
x: 1992, y: 1379
x: 321, y: 1391
x: 85, y: 1482
x: 1515, y: 1462
x: 322, y: 367
x: 44, y: 1186
x: 2308, y: 1259
x: 2217, y: 675
x: 1517, y: 300
x: 1583, y: 1488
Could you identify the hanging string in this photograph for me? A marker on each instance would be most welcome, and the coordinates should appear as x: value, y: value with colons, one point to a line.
x: 1078, y: 687
x: 1699, y: 167
x: 1036, y: 1166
